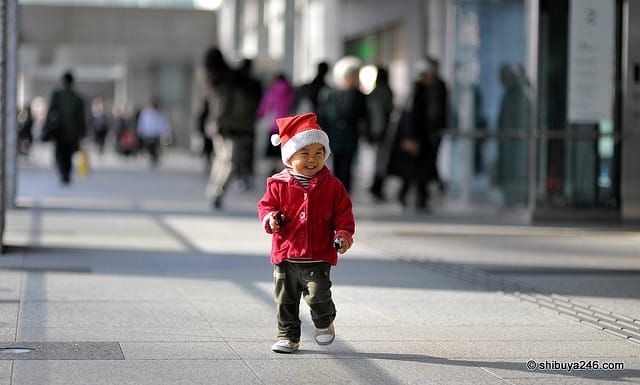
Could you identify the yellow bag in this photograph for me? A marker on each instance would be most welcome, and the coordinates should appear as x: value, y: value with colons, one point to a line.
x: 83, y: 162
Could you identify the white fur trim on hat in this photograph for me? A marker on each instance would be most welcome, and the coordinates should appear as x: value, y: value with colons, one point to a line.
x: 304, y: 139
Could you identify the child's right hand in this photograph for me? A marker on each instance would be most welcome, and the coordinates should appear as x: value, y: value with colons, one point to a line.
x: 274, y: 222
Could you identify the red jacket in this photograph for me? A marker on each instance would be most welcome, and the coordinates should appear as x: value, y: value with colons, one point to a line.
x: 313, y: 217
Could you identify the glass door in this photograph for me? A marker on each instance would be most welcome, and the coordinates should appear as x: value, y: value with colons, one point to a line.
x: 491, y: 104
x: 578, y: 137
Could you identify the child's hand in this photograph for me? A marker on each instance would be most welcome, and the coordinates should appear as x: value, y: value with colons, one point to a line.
x: 275, y: 220
x: 344, y: 245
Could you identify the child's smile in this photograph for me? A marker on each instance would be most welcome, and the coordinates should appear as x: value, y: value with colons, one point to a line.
x: 308, y: 160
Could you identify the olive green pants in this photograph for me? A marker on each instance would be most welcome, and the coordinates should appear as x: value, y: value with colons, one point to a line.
x: 312, y: 281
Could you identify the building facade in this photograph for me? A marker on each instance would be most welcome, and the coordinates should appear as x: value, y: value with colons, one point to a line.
x: 543, y: 92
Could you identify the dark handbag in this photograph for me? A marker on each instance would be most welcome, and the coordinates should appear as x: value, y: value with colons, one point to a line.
x: 50, y: 127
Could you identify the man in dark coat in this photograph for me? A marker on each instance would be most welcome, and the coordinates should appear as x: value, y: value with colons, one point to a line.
x: 67, y: 116
x: 429, y: 114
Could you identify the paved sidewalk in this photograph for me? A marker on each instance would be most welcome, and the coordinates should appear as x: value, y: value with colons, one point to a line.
x: 129, y: 277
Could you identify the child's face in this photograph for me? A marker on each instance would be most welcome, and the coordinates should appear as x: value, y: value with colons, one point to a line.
x: 308, y: 160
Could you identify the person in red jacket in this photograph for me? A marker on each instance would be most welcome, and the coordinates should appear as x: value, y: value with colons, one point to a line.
x: 309, y: 214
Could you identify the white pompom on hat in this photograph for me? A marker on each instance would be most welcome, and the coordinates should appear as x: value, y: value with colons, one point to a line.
x: 296, y: 132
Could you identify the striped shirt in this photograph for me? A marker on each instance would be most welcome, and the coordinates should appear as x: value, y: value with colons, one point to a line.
x: 304, y: 180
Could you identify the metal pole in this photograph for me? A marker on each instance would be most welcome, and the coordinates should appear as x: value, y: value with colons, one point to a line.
x: 533, y: 12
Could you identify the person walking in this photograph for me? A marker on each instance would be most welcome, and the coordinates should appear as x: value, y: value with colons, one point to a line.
x: 309, y: 214
x: 276, y: 103
x: 25, y: 127
x: 380, y: 106
x: 307, y: 95
x: 100, y: 123
x: 66, y: 125
x: 426, y: 120
x: 153, y: 125
x: 231, y: 119
x: 343, y: 113
x: 513, y: 118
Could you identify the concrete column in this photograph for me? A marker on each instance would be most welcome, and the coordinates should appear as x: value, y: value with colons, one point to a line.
x: 263, y: 32
x: 5, y: 17
x: 289, y: 36
x: 3, y: 125
x: 11, y: 94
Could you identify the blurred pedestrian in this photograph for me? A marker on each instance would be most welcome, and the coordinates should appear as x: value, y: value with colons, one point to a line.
x: 342, y: 111
x: 425, y: 122
x: 276, y: 103
x: 66, y: 125
x: 25, y: 130
x: 513, y: 119
x: 153, y: 125
x: 245, y: 140
x: 207, y: 143
x: 310, y: 215
x: 126, y: 137
x: 306, y: 97
x: 231, y: 119
x: 100, y: 123
x: 380, y: 107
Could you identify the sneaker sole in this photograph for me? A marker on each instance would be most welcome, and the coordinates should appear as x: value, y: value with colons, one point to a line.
x: 283, y: 351
x: 325, y: 343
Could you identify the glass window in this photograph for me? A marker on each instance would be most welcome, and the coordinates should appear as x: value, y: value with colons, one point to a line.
x: 491, y: 99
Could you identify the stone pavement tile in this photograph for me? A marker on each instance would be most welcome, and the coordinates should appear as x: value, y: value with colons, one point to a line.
x: 111, y: 231
x: 221, y: 234
x: 10, y: 282
x: 391, y: 369
x: 118, y: 333
x: 390, y: 273
x: 177, y: 351
x: 408, y: 332
x: 11, y: 262
x: 233, y: 267
x: 570, y: 381
x: 616, y: 292
x: 224, y: 313
x: 97, y: 287
x: 524, y: 350
x: 8, y: 314
x: 134, y: 372
x: 222, y: 291
x: 7, y: 334
x: 109, y: 262
x: 475, y: 309
x: 111, y: 315
x: 622, y: 306
x: 630, y: 373
x: 245, y: 332
x: 5, y: 372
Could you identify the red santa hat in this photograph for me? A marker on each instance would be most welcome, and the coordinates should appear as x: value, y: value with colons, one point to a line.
x: 297, y: 132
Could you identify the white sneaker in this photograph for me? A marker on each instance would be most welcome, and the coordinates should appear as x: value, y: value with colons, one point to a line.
x: 285, y: 346
x: 324, y: 336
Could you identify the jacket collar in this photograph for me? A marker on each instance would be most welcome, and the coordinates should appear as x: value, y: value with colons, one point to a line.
x: 285, y: 176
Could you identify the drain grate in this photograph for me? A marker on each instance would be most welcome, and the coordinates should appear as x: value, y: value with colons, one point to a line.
x: 61, y: 351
